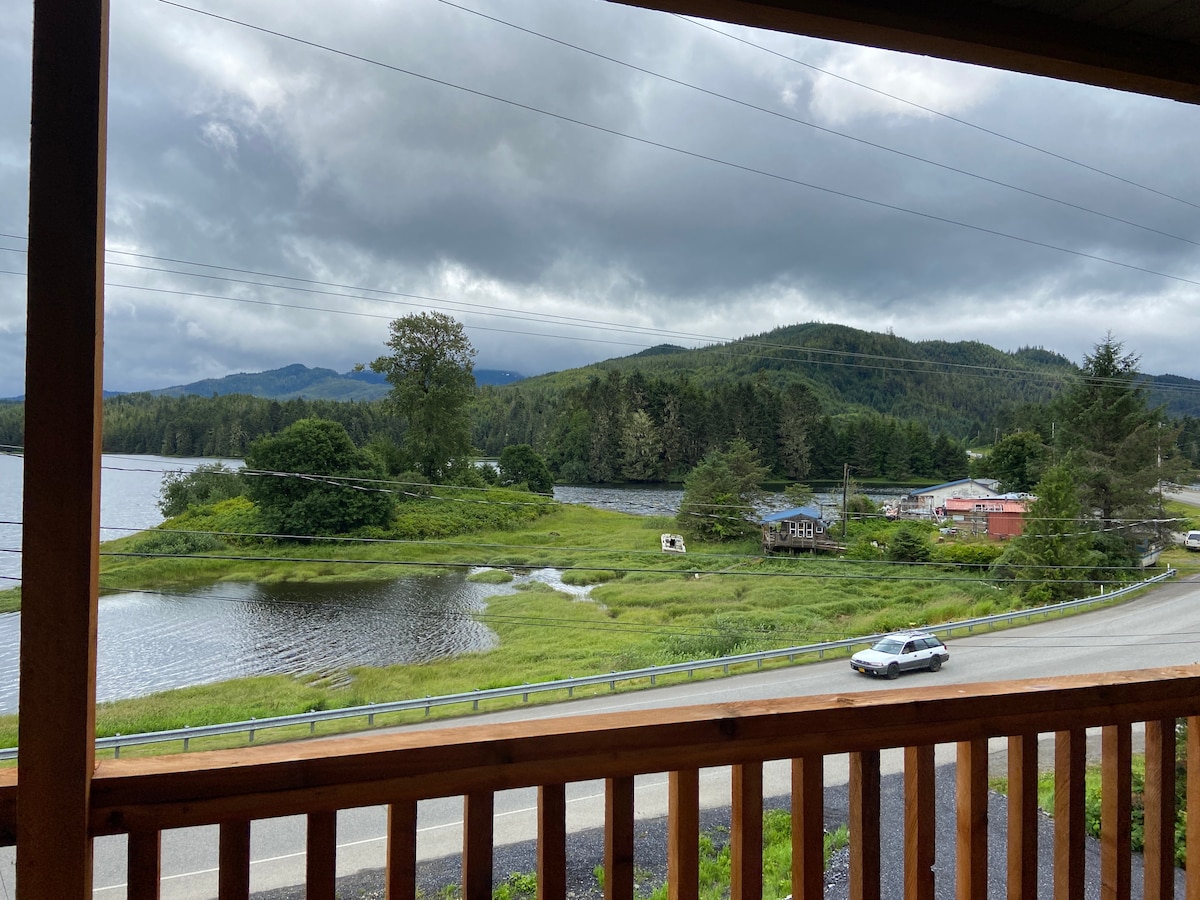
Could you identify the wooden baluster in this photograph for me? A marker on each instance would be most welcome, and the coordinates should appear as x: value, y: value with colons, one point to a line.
x: 746, y: 838
x: 552, y: 842
x: 920, y: 848
x: 1022, y: 817
x: 401, y: 876
x: 971, y: 856
x: 1069, y: 763
x: 1193, y: 802
x: 321, y: 857
x: 478, y: 841
x: 618, y: 839
x: 1159, y: 850
x: 683, y: 834
x: 864, y: 825
x: 808, y: 828
x: 233, y: 877
x: 1115, y: 808
x: 145, y: 865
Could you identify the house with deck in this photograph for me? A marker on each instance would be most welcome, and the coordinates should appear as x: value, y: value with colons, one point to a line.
x: 801, y: 528
x: 61, y: 796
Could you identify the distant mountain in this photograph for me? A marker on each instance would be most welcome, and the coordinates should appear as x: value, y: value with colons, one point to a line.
x: 299, y: 381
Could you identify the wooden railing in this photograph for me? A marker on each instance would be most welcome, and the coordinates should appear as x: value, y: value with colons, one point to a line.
x: 142, y: 797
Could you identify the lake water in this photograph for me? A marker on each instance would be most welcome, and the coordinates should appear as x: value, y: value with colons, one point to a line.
x: 151, y: 641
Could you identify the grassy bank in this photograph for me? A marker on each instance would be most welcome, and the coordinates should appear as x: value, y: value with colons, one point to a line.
x: 645, y: 608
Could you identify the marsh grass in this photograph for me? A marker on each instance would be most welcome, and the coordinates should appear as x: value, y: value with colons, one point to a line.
x: 648, y: 608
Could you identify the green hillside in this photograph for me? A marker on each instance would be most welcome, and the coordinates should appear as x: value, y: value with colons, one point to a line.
x: 952, y: 387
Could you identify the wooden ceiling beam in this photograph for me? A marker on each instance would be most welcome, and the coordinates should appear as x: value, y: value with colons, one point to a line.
x: 1019, y: 39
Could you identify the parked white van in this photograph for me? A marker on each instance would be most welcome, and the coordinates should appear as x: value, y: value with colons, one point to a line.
x: 1192, y: 541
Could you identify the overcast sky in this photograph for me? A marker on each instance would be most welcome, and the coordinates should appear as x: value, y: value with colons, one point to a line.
x: 601, y: 209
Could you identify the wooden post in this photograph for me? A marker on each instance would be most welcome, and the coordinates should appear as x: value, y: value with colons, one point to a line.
x: 865, y: 873
x: 1070, y: 762
x: 971, y: 856
x: 920, y: 837
x: 683, y: 834
x: 618, y: 838
x: 746, y: 833
x: 1022, y: 817
x: 63, y: 370
x: 1115, y: 807
x: 808, y: 827
x: 552, y: 842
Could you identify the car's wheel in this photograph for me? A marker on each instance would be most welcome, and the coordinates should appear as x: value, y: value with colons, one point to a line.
x: 935, y: 663
x: 893, y: 671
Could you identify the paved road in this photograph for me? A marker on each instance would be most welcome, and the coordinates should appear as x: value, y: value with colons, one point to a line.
x: 1162, y: 628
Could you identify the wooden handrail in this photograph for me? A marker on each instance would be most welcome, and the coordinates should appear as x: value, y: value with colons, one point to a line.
x: 143, y: 797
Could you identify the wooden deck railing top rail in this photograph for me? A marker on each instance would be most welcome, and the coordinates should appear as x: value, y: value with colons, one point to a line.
x: 143, y: 797
x: 338, y: 773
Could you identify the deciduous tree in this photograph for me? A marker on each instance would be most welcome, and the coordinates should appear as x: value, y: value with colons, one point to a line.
x: 310, y: 479
x: 430, y: 369
x: 521, y: 464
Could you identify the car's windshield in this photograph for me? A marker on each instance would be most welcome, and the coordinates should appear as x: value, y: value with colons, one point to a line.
x: 887, y: 645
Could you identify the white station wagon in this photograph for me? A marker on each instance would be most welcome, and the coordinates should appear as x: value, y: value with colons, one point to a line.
x: 901, y: 652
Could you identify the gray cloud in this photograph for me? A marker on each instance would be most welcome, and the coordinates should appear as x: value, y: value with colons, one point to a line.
x: 237, y: 148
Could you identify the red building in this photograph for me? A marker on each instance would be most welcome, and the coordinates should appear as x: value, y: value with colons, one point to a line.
x: 997, y: 517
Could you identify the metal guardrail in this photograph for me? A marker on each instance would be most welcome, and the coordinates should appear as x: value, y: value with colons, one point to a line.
x: 370, y: 711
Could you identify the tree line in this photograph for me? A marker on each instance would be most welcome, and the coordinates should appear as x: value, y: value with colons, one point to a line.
x: 630, y: 426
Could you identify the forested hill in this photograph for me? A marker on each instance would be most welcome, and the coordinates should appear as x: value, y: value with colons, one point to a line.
x: 957, y: 388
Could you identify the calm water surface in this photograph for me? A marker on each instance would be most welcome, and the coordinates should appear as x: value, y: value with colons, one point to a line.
x: 152, y: 641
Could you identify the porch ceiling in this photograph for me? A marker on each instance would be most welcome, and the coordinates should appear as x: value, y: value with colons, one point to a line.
x: 1145, y: 46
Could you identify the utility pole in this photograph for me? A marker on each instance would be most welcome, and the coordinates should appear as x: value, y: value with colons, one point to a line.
x: 845, y: 489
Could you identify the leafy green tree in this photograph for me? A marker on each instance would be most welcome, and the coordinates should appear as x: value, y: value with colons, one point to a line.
x: 310, y: 479
x: 1017, y: 460
x: 207, y: 483
x: 521, y: 464
x: 720, y: 494
x: 1117, y: 443
x: 1053, y: 551
x: 430, y: 369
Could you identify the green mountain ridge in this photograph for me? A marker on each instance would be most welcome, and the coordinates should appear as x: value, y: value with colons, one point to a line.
x: 299, y: 381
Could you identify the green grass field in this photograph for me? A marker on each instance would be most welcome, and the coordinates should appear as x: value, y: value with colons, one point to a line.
x: 644, y: 608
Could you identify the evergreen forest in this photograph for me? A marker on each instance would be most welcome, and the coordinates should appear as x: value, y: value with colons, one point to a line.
x: 806, y: 398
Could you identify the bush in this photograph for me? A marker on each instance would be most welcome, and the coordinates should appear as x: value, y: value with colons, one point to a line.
x: 908, y: 544
x: 975, y: 554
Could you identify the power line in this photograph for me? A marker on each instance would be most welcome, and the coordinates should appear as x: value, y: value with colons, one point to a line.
x: 981, y: 128
x: 743, y: 344
x: 820, y: 128
x: 703, y: 157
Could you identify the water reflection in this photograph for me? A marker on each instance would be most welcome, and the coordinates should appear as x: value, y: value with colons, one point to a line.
x: 153, y: 641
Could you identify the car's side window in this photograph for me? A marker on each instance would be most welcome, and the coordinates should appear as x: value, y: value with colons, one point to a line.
x: 908, y: 648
